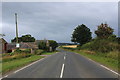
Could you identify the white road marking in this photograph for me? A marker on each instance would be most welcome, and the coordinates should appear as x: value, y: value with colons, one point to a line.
x: 90, y: 59
x: 64, y: 57
x: 28, y: 65
x: 6, y: 76
x: 110, y: 70
x: 3, y: 77
x: 61, y: 75
x: 100, y: 64
x: 31, y: 64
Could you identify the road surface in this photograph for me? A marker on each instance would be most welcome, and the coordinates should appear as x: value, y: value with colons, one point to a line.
x: 64, y: 65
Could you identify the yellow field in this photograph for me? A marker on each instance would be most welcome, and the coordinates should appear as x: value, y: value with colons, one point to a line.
x: 70, y: 46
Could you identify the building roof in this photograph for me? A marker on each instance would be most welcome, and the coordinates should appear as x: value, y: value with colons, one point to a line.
x: 28, y: 45
x: 2, y: 40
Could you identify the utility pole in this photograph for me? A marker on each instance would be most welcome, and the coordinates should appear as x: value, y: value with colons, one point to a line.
x: 17, y: 44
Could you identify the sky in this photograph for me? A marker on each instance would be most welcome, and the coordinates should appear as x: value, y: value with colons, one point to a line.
x: 56, y: 20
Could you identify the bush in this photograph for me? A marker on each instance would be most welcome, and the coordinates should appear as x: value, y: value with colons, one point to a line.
x: 45, y: 45
x: 22, y: 51
x: 12, y: 53
x: 18, y: 51
x: 15, y: 56
x: 26, y: 51
x: 39, y: 52
x: 113, y: 54
x: 101, y: 45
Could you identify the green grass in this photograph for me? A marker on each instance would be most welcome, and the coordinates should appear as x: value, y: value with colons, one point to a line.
x: 48, y: 53
x: 11, y: 65
x: 100, y: 58
x: 109, y: 62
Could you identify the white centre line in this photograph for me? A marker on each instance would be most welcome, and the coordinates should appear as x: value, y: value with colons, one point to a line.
x: 64, y: 57
x: 61, y: 75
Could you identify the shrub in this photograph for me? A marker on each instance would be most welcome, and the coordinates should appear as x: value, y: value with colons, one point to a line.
x: 15, y: 56
x: 46, y: 44
x: 12, y: 53
x: 22, y: 51
x: 26, y: 51
x: 18, y: 50
x: 89, y: 52
x: 39, y: 52
x: 113, y: 54
x: 101, y: 45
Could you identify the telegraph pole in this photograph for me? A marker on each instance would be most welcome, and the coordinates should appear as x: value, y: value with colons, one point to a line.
x: 17, y: 44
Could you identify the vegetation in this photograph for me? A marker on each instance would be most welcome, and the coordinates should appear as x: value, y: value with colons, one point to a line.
x: 24, y: 38
x: 48, y: 53
x: 39, y: 52
x: 81, y: 34
x: 70, y: 46
x: 104, y: 48
x: 12, y: 65
x: 46, y: 45
x: 104, y: 31
x: 101, y: 45
x: 101, y: 58
x: 19, y: 58
x: 15, y: 56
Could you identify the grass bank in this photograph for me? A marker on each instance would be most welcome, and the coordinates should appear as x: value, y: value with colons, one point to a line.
x: 17, y: 63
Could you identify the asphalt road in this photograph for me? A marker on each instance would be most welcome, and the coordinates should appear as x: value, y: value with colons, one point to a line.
x: 64, y: 65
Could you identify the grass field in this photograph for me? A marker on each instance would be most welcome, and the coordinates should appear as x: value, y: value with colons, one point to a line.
x: 12, y: 65
x: 70, y: 46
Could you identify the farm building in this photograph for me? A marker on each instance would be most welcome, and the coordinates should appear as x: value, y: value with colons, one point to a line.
x: 28, y: 45
x: 3, y: 45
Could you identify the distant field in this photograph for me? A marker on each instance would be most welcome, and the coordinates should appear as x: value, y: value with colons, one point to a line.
x: 70, y: 46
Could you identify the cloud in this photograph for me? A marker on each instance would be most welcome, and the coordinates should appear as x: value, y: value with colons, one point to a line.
x: 56, y: 20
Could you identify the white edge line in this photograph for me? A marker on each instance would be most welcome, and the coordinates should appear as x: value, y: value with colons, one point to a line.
x: 32, y: 64
x: 110, y: 70
x: 3, y: 77
x: 27, y: 66
x: 100, y: 65
x: 61, y: 75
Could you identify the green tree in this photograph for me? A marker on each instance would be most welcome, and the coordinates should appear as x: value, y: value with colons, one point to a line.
x: 42, y: 45
x: 104, y: 31
x: 81, y: 34
x: 24, y: 38
x: 112, y: 38
x: 53, y: 44
x: 46, y: 46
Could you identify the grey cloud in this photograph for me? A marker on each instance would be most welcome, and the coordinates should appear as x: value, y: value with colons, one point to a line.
x: 56, y: 20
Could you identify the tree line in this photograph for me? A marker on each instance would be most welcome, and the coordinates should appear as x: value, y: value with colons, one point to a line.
x: 82, y: 34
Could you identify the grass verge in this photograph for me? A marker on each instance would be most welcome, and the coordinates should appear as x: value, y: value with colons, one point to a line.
x: 108, y: 62
x: 48, y: 53
x: 100, y: 58
x: 11, y: 65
